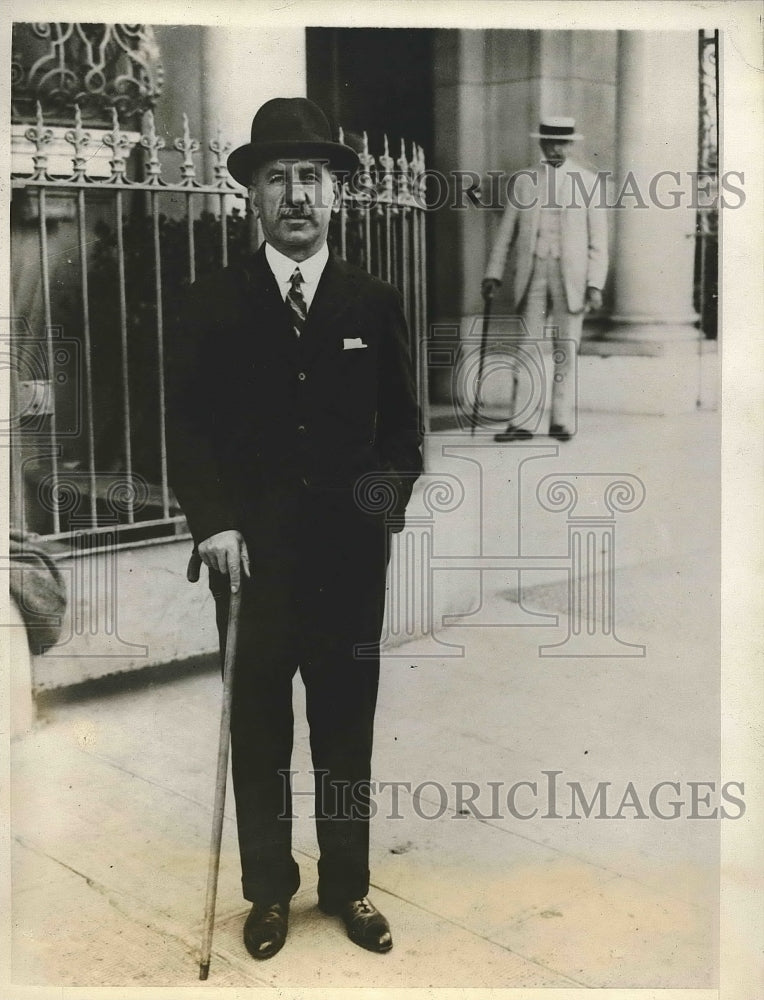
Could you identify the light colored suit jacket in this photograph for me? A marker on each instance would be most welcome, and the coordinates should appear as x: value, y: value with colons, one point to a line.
x: 584, y: 255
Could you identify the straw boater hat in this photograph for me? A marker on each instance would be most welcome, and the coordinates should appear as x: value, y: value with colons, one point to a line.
x: 557, y: 128
x: 290, y: 127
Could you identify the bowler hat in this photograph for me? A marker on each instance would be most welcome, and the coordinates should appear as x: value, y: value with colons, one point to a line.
x: 557, y: 128
x: 292, y: 128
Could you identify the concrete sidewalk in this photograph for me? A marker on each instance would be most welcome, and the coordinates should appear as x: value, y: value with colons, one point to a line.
x: 112, y: 793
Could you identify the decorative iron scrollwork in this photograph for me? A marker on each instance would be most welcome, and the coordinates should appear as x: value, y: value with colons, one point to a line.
x: 98, y: 67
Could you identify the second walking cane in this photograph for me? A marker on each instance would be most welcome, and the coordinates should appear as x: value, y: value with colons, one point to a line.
x: 222, y: 770
x: 478, y: 385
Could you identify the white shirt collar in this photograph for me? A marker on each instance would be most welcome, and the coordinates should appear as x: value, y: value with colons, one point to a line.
x: 566, y: 167
x: 311, y: 270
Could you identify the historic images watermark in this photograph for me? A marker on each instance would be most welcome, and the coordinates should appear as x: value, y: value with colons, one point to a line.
x: 83, y: 508
x: 549, y: 795
x: 78, y: 507
x: 82, y: 566
x: 423, y: 550
x: 464, y: 189
x: 665, y: 189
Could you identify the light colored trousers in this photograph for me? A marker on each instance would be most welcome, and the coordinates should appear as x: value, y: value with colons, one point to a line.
x: 544, y: 289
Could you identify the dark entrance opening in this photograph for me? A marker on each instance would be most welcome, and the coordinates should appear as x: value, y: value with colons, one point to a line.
x: 377, y: 80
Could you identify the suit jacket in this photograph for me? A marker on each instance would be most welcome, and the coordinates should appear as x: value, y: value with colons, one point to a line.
x: 255, y: 412
x: 584, y: 254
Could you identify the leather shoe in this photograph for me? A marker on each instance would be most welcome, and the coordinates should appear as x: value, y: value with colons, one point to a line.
x: 560, y: 432
x: 265, y: 929
x: 364, y: 923
x: 513, y: 434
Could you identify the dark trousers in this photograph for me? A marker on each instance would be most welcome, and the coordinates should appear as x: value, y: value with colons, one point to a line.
x: 306, y: 613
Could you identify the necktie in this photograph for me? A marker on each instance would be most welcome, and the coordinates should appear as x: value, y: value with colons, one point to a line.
x: 296, y: 302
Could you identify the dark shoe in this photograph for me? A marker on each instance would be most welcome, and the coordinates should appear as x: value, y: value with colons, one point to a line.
x: 559, y: 432
x: 265, y: 929
x: 364, y: 923
x: 513, y: 434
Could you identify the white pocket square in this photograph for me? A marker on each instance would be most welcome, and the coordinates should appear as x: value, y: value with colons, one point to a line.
x: 353, y: 344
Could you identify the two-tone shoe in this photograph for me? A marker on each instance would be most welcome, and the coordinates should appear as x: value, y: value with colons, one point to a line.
x: 365, y: 925
x: 265, y: 929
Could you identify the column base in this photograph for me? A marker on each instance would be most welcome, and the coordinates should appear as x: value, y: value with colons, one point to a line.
x: 651, y: 377
x: 644, y: 330
x: 636, y: 366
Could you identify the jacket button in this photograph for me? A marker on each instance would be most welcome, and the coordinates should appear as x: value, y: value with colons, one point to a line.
x: 301, y: 428
x: 302, y: 376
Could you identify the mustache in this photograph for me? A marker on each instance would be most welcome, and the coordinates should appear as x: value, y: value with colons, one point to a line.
x: 295, y: 213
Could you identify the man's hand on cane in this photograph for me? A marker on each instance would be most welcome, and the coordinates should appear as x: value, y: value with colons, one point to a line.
x: 226, y: 552
x: 593, y: 299
x: 488, y: 288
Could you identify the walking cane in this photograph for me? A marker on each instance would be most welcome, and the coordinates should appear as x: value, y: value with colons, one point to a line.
x: 483, y: 341
x: 192, y: 574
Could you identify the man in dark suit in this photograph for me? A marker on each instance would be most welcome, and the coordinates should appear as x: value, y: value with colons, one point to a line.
x: 294, y: 444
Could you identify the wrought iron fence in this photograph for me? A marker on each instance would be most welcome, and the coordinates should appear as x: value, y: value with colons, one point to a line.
x: 381, y: 226
x: 100, y: 261
x: 707, y: 224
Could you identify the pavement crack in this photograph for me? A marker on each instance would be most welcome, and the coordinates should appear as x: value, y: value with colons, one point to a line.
x: 149, y: 781
x: 117, y: 899
x: 90, y: 882
x: 479, y: 935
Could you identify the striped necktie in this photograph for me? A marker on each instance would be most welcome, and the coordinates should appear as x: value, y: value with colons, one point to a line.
x: 296, y: 302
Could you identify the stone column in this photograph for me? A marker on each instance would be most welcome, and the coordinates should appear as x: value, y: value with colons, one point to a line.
x: 241, y: 69
x: 652, y: 357
x: 491, y: 87
x: 657, y: 125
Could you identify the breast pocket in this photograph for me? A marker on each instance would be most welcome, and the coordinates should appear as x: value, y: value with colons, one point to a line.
x: 357, y: 355
x: 352, y: 382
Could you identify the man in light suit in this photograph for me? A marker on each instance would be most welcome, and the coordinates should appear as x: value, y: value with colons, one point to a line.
x: 555, y: 222
x: 292, y: 410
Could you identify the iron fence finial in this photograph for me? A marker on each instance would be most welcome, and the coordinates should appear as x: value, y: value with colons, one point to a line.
x: 387, y: 164
x: 219, y: 169
x: 188, y: 147
x: 152, y: 143
x: 119, y: 142
x: 404, y: 187
x: 41, y: 136
x: 78, y: 138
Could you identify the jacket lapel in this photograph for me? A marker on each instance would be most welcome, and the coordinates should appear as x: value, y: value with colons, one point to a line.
x: 336, y: 291
x: 268, y: 319
x: 267, y: 316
